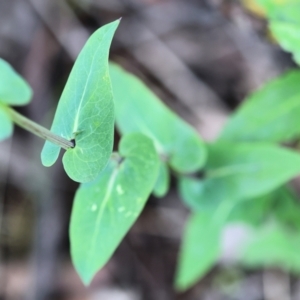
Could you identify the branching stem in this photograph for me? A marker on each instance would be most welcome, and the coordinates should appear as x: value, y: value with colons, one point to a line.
x: 38, y: 130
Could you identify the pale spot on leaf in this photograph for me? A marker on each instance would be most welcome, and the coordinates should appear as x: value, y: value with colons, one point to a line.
x: 120, y: 189
x: 121, y: 209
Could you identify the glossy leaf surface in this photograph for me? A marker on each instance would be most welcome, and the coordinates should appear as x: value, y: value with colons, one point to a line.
x: 239, y: 171
x: 6, y: 125
x: 270, y: 114
x: 14, y: 90
x: 85, y: 112
x: 105, y: 209
x: 139, y: 110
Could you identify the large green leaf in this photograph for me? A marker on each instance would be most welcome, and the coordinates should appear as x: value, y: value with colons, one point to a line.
x: 239, y: 171
x: 201, y: 245
x: 284, y: 18
x: 139, y: 110
x: 14, y: 90
x: 6, y: 126
x: 270, y: 114
x: 106, y: 208
x: 85, y: 112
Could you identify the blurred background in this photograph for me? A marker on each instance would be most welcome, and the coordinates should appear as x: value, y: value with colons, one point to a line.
x: 202, y: 57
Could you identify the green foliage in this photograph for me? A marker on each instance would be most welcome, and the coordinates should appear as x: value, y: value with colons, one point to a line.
x: 239, y: 171
x: 139, y: 110
x: 13, y: 88
x: 85, y: 112
x: 163, y: 181
x: 201, y: 245
x: 284, y: 18
x: 253, y: 211
x: 272, y: 246
x: 106, y: 208
x: 199, y: 250
x: 269, y: 115
x: 244, y: 174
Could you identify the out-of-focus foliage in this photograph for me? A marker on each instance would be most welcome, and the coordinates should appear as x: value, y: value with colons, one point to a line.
x: 268, y: 115
x: 237, y: 172
x: 200, y: 249
x: 139, y: 110
x: 14, y: 90
x: 284, y: 22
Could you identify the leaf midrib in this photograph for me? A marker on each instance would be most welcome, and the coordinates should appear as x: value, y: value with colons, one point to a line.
x: 100, y: 213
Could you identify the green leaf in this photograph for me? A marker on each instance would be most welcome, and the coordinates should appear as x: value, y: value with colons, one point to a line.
x: 14, y: 90
x: 252, y: 211
x: 272, y: 246
x: 163, y: 181
x: 6, y: 125
x: 238, y: 172
x: 105, y: 209
x: 286, y: 208
x: 85, y: 112
x: 270, y: 114
x: 201, y: 245
x: 139, y: 110
x: 199, y: 250
x: 284, y: 17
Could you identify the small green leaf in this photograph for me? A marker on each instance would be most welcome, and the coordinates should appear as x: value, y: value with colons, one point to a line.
x: 201, y: 244
x: 239, y: 171
x: 163, y: 181
x: 199, y: 250
x: 270, y: 114
x: 139, y: 110
x: 85, y: 112
x: 6, y: 125
x: 105, y: 209
x: 14, y: 90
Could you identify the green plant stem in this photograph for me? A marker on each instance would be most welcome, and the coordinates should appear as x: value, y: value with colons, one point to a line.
x: 38, y: 130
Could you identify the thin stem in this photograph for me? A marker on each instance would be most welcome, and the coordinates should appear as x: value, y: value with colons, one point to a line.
x: 38, y: 130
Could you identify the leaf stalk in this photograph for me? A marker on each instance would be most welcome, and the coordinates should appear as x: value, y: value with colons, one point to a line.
x: 38, y: 130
